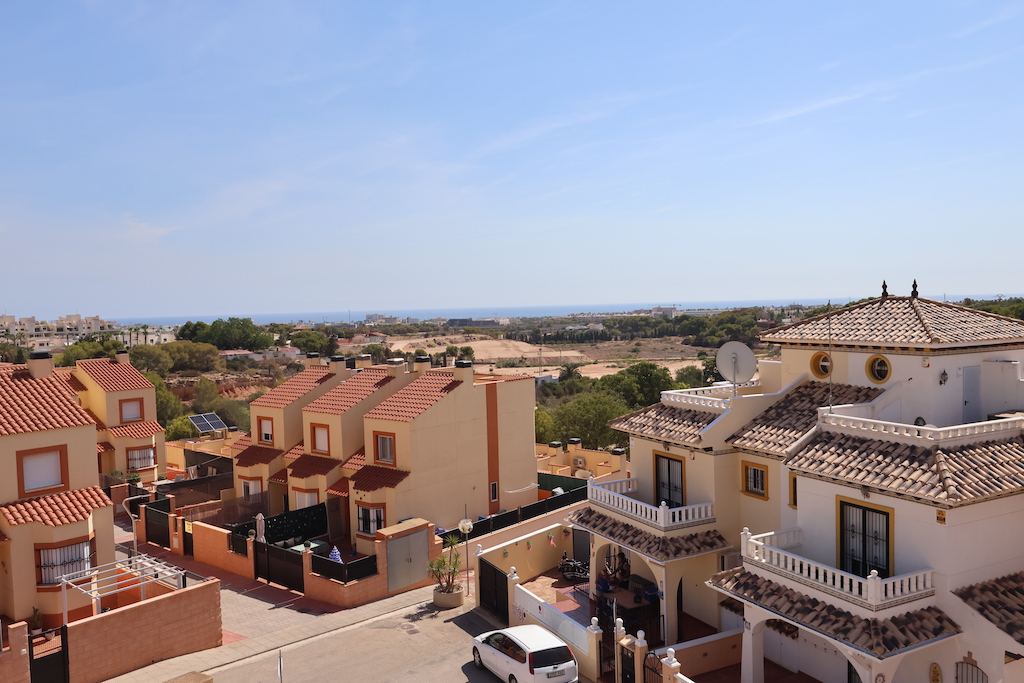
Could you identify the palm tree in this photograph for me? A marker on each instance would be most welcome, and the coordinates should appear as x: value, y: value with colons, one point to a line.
x: 570, y: 371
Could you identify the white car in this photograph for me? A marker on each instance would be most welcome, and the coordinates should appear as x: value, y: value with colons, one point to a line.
x: 523, y: 654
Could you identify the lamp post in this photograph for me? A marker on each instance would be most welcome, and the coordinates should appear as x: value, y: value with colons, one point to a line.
x: 466, y: 526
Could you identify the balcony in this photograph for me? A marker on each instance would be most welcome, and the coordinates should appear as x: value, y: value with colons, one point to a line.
x: 612, y: 496
x: 768, y: 552
x: 951, y: 437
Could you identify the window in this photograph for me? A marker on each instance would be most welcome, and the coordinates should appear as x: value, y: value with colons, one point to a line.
x: 42, y: 470
x: 821, y: 365
x: 370, y: 519
x: 141, y: 458
x: 494, y: 491
x: 321, y: 439
x: 251, y: 487
x: 52, y: 563
x: 266, y: 430
x: 755, y: 480
x: 385, y: 444
x: 864, y: 539
x: 669, y: 472
x: 792, y: 489
x: 878, y: 369
x: 131, y: 410
x: 305, y: 499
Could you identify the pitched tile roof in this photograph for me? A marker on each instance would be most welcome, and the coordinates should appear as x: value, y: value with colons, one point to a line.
x: 339, y: 488
x: 136, y: 430
x: 373, y: 477
x: 879, y: 637
x: 350, y: 392
x: 902, y: 321
x: 956, y: 476
x: 57, y: 509
x: 103, y: 447
x: 295, y: 451
x: 295, y: 388
x: 256, y: 455
x: 311, y: 465
x: 665, y: 422
x: 35, y: 405
x: 661, y: 548
x: 100, y: 426
x: 357, y: 461
x: 795, y: 414
x: 1000, y: 601
x: 411, y: 401
x: 67, y: 376
x: 114, y: 376
x: 242, y: 442
x: 281, y: 476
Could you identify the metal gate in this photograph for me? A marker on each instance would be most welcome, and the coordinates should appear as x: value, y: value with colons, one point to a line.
x: 407, y: 560
x: 157, y: 523
x: 494, y: 589
x: 628, y: 667
x: 186, y: 535
x: 48, y: 659
x: 652, y: 668
x: 607, y: 663
x: 969, y: 673
x: 279, y: 565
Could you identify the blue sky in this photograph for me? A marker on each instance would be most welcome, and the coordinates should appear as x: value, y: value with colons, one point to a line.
x: 194, y: 158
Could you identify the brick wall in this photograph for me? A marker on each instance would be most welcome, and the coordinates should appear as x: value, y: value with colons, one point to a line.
x: 125, y: 639
x: 210, y: 545
x: 13, y: 664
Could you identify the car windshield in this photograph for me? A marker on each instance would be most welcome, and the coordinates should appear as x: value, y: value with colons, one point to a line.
x: 552, y: 657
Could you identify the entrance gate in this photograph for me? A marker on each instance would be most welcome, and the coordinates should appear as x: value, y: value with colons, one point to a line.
x: 494, y: 589
x: 407, y: 560
x: 157, y: 523
x: 652, y: 668
x: 187, y: 537
x: 48, y: 659
x: 279, y: 565
x: 628, y: 667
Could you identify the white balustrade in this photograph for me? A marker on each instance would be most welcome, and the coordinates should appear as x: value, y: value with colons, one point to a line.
x: 610, y: 494
x: 874, y: 592
x: 956, y: 435
x: 711, y: 399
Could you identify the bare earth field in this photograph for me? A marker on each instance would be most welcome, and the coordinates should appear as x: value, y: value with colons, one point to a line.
x: 487, y: 349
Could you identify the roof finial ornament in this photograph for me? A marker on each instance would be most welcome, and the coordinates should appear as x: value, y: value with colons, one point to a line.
x: 913, y: 292
x: 885, y: 289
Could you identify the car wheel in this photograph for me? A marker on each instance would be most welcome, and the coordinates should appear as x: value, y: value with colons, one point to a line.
x: 512, y: 679
x: 476, y: 659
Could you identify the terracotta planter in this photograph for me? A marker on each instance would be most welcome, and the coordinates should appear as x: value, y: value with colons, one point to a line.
x: 449, y: 600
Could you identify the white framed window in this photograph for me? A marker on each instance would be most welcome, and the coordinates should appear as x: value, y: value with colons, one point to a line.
x: 53, y: 563
x: 385, y: 448
x: 251, y: 487
x: 131, y: 410
x: 305, y: 499
x: 42, y: 470
x: 321, y: 440
x: 370, y: 519
x: 141, y: 458
x: 494, y: 491
x: 755, y: 480
x: 266, y: 430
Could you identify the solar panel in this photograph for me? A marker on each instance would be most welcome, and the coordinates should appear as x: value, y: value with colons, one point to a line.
x: 207, y: 422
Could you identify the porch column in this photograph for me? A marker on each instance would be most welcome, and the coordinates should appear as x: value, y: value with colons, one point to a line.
x: 669, y: 666
x: 587, y: 667
x: 513, y: 581
x: 639, y: 655
x: 752, y: 667
x: 618, y: 634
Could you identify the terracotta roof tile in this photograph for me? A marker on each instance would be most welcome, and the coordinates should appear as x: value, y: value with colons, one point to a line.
x: 416, y: 397
x: 103, y: 447
x: 67, y: 376
x: 902, y: 321
x: 57, y: 509
x: 955, y: 476
x: 281, y: 476
x: 373, y: 477
x: 880, y: 637
x: 256, y: 455
x: 114, y: 376
x: 339, y: 488
x: 136, y: 430
x: 350, y: 392
x: 795, y: 414
x: 357, y: 461
x: 100, y: 426
x: 665, y: 422
x: 295, y: 451
x: 1000, y: 601
x: 242, y: 442
x: 661, y: 548
x: 295, y: 388
x: 311, y: 465
x: 36, y: 405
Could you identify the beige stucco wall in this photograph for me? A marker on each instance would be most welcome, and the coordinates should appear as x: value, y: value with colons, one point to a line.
x: 81, y: 448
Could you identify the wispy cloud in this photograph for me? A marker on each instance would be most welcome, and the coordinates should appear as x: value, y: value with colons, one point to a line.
x: 139, y: 231
x: 1007, y: 13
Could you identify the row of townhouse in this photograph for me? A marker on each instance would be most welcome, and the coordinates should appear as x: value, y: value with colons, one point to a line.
x: 45, y: 335
x: 854, y: 510
x: 59, y: 428
x: 382, y: 444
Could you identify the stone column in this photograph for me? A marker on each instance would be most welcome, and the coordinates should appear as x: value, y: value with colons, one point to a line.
x: 669, y: 665
x: 591, y: 666
x: 618, y: 634
x: 639, y: 655
x: 752, y: 667
x: 513, y: 581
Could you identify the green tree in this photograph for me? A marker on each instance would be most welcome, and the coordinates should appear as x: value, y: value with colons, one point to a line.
x: 11, y: 353
x: 168, y: 406
x: 151, y: 359
x: 379, y: 352
x: 236, y: 333
x: 309, y: 341
x: 234, y: 413
x: 544, y: 426
x: 450, y: 351
x: 711, y: 373
x: 200, y: 357
x: 691, y: 376
x: 587, y: 417
x: 638, y: 385
x: 570, y: 371
x: 191, y: 331
x: 466, y: 353
x: 206, y: 396
x: 180, y: 428
x: 88, y: 348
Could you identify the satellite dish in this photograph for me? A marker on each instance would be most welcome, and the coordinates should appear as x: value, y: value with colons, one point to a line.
x: 736, y: 362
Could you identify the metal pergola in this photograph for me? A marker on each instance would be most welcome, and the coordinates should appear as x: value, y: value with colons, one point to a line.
x: 119, y: 576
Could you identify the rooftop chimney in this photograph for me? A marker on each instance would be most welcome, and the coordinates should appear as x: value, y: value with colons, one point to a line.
x: 364, y: 360
x: 395, y: 366
x: 122, y: 356
x: 555, y: 448
x: 337, y: 365
x: 40, y: 364
x: 464, y: 370
x: 574, y: 443
x: 350, y: 363
x: 312, y: 359
x: 421, y: 364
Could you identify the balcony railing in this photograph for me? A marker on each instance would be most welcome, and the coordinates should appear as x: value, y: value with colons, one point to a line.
x: 713, y: 399
x: 956, y: 435
x: 766, y: 551
x: 611, y: 495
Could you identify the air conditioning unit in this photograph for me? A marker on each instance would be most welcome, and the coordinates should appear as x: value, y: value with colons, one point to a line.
x: 579, y: 462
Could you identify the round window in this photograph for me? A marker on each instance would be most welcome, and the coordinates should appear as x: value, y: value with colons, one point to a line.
x: 821, y: 365
x: 878, y: 369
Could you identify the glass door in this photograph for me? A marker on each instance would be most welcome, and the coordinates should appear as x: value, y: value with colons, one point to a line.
x: 670, y: 481
x: 864, y: 540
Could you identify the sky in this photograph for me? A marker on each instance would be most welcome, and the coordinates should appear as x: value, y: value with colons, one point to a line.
x: 215, y: 157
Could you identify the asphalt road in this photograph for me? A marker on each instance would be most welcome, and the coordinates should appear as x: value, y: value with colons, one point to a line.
x: 421, y: 644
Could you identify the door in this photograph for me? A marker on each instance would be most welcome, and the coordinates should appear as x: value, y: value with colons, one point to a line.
x: 493, y: 589
x: 972, y: 394
x: 864, y: 540
x: 670, y: 481
x: 48, y: 659
x: 581, y: 545
x: 407, y: 560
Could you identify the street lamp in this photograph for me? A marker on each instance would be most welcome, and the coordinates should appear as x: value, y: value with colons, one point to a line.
x: 466, y: 526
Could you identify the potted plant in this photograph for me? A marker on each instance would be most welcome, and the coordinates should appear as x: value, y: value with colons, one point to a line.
x: 35, y: 622
x: 445, y: 570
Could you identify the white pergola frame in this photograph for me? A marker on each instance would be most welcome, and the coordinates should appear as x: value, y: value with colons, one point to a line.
x: 118, y: 577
